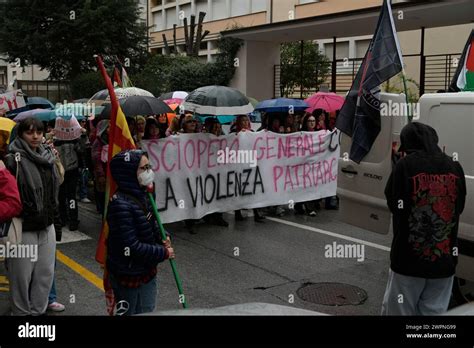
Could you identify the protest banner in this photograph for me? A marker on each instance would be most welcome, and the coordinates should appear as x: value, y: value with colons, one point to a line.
x: 198, y: 174
x: 12, y: 100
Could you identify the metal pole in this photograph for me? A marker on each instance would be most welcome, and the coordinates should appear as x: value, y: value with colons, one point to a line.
x: 422, y: 63
x: 334, y: 66
x: 147, y: 26
x: 301, y: 68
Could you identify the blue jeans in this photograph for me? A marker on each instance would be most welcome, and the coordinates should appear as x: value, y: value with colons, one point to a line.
x: 83, y: 181
x: 52, y: 294
x: 140, y: 300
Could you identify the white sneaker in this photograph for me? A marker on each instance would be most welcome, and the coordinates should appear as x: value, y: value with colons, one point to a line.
x: 86, y: 200
x: 312, y: 213
x: 56, y: 307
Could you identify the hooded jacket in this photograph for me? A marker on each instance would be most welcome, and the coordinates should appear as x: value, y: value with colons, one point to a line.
x: 426, y: 194
x: 134, y: 243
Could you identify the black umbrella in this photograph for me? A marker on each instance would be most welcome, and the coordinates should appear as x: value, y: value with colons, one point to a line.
x: 217, y: 100
x: 174, y: 95
x: 138, y: 105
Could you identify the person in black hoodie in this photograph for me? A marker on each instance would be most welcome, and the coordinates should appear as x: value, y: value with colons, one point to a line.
x: 426, y: 194
x: 134, y: 245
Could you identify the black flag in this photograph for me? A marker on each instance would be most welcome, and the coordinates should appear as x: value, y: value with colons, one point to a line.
x: 360, y: 115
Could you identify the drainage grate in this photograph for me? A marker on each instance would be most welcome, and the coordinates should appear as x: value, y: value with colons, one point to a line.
x: 332, y: 294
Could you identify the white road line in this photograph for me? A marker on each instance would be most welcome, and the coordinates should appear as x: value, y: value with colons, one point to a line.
x: 72, y: 236
x: 328, y: 233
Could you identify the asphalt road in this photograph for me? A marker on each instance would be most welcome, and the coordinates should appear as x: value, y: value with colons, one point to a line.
x: 246, y: 262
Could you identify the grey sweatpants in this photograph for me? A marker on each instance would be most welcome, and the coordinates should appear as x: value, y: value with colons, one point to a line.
x: 416, y: 296
x: 30, y: 282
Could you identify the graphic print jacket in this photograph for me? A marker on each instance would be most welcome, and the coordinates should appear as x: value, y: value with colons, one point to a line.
x: 426, y: 194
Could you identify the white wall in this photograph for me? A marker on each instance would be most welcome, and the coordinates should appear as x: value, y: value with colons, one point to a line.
x: 255, y: 75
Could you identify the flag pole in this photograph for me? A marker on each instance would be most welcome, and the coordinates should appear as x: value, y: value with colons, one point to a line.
x: 410, y: 116
x: 172, y: 261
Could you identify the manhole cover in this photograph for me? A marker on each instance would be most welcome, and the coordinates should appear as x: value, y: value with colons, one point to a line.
x: 332, y: 294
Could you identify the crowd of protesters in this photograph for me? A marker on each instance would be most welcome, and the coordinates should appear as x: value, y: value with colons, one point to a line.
x: 45, y: 167
x: 64, y: 161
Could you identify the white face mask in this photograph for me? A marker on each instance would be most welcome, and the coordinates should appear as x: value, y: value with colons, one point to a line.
x: 146, y: 178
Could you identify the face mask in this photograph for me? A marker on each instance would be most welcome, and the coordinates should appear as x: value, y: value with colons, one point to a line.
x: 146, y: 178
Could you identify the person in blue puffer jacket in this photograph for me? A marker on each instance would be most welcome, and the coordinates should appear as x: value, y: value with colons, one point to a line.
x: 134, y: 244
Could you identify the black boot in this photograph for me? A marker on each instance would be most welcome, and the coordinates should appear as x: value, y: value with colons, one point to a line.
x: 189, y: 226
x: 219, y: 221
x: 74, y: 225
x: 238, y: 216
x: 257, y: 216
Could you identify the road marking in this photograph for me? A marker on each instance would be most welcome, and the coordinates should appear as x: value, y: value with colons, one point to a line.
x: 72, y: 236
x: 328, y: 233
x: 4, y: 281
x: 82, y: 271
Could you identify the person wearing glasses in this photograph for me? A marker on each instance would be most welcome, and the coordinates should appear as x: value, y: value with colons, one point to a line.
x: 189, y: 124
x: 135, y: 247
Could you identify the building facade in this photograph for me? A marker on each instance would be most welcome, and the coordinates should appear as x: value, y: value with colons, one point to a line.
x: 222, y: 15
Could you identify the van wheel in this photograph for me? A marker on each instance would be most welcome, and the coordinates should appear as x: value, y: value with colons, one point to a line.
x: 457, y: 295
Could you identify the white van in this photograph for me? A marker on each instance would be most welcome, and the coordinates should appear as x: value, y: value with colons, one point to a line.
x: 361, y: 186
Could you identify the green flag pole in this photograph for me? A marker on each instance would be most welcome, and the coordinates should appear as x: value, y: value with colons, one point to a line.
x: 410, y: 116
x: 172, y: 262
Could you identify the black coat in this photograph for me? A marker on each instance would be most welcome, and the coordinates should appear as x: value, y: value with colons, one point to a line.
x: 134, y: 243
x: 426, y: 193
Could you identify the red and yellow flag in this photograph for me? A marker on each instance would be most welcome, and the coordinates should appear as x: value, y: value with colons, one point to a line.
x: 120, y: 139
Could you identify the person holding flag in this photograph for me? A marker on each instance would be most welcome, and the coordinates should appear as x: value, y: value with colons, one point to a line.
x: 134, y: 246
x: 360, y: 115
x: 145, y: 257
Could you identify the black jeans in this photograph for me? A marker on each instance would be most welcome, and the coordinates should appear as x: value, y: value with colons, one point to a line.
x: 67, y: 197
